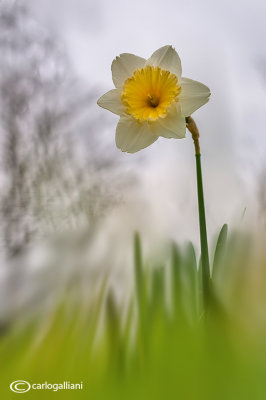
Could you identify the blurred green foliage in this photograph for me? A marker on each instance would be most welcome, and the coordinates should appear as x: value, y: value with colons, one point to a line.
x: 162, y: 343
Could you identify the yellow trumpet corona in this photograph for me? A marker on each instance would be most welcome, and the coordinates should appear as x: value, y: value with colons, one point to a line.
x: 149, y: 92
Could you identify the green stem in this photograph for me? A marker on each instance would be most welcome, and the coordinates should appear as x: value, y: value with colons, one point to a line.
x: 203, y: 234
x: 191, y: 125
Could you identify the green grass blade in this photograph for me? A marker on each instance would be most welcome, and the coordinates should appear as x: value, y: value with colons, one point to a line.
x: 219, y: 251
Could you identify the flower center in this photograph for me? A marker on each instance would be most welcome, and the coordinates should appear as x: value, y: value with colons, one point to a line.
x: 152, y: 100
x: 148, y: 93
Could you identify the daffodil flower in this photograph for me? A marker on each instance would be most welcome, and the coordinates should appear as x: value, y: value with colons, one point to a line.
x: 151, y: 98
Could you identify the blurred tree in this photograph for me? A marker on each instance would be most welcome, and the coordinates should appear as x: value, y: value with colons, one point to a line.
x: 49, y: 181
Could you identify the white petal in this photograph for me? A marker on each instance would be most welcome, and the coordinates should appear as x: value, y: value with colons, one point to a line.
x: 124, y: 66
x: 193, y: 95
x: 167, y: 58
x: 172, y: 126
x: 132, y: 136
x: 112, y: 101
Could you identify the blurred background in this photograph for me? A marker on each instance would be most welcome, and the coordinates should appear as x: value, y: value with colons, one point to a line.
x: 69, y: 200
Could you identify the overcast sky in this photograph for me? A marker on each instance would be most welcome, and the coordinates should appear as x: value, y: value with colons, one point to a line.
x: 222, y: 44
